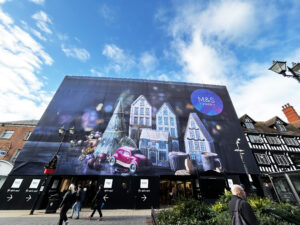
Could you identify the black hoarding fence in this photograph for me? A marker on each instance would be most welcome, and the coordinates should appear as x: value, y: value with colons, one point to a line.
x: 137, y: 127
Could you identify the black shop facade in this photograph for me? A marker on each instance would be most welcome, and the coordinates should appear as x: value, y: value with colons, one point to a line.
x: 147, y: 142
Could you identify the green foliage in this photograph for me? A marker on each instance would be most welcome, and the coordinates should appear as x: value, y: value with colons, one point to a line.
x: 194, y: 212
x: 189, y: 211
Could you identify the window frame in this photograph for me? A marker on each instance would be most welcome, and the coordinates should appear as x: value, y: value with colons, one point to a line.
x: 7, y: 134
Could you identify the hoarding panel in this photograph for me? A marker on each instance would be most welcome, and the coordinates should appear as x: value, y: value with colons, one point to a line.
x: 137, y: 127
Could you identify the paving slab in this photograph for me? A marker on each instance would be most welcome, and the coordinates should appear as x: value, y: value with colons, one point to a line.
x: 110, y: 217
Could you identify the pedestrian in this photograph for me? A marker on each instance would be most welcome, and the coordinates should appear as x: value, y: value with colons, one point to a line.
x: 77, y: 204
x: 239, y: 209
x: 66, y: 204
x: 97, y: 203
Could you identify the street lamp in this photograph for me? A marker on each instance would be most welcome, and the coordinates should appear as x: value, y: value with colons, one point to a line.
x: 242, y: 152
x: 50, y: 168
x: 280, y: 68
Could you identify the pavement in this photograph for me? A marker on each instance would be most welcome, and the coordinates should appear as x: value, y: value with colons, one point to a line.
x: 110, y: 217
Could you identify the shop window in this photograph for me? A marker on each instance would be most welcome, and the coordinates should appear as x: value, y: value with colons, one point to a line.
x: 173, y: 132
x: 27, y: 135
x: 162, y: 145
x: 147, y: 111
x: 142, y: 102
x: 172, y: 121
x: 7, y: 134
x: 162, y: 156
x: 256, y: 139
x: 273, y: 140
x: 291, y: 141
x: 136, y: 110
x: 262, y: 158
x: 281, y: 160
x: 198, y: 134
x: 202, y: 146
x: 144, y: 142
x: 147, y: 121
x: 192, y: 135
x: 142, y: 120
x: 191, y: 146
x: 165, y: 111
x: 160, y: 120
x: 166, y: 121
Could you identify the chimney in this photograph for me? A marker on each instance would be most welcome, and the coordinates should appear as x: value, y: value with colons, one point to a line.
x: 290, y: 113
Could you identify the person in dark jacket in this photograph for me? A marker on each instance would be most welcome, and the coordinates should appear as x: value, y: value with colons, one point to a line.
x: 97, y: 202
x: 66, y: 204
x: 244, y: 209
x: 79, y: 200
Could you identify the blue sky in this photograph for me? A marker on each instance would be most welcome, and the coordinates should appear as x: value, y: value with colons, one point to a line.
x: 221, y: 42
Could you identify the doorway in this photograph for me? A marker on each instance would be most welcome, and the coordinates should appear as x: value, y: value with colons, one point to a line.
x: 172, y: 190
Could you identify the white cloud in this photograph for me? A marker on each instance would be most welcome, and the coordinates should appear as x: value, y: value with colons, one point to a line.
x: 94, y: 72
x: 119, y: 60
x: 205, y: 39
x: 38, y: 34
x: 77, y: 53
x: 21, y: 59
x: 39, y: 2
x: 262, y: 97
x: 163, y: 77
x: 62, y: 37
x: 107, y: 13
x: 43, y: 21
x: 148, y: 62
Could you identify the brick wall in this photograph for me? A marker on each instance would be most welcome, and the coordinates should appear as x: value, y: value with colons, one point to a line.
x: 16, y: 141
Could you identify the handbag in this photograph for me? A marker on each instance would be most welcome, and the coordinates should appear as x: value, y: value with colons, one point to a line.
x: 237, y: 218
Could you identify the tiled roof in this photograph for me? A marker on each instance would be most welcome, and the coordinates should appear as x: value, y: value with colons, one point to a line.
x: 267, y: 127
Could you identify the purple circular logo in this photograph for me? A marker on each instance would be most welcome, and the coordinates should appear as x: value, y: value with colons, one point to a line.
x: 207, y: 102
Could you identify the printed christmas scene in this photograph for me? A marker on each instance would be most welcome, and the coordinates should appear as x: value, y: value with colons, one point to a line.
x: 146, y: 129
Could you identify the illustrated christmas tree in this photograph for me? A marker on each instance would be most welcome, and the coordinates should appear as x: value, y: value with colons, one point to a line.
x: 114, y: 135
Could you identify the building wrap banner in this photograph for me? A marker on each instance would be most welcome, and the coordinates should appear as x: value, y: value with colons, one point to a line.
x: 136, y: 127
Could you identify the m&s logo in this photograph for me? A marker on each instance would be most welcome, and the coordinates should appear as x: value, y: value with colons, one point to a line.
x: 207, y: 102
x: 206, y: 99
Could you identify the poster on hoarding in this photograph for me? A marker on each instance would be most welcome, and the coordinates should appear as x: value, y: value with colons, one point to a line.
x: 136, y: 127
x: 17, y: 183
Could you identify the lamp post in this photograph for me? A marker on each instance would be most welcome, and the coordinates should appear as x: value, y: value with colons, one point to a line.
x: 242, y: 152
x: 280, y: 68
x: 50, y: 168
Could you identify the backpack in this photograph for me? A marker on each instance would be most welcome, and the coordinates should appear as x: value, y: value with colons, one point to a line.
x: 237, y: 218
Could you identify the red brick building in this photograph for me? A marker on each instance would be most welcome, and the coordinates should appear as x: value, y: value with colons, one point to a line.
x: 13, y: 136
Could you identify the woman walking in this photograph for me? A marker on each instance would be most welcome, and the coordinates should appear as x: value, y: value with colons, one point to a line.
x: 66, y: 204
x: 97, y: 203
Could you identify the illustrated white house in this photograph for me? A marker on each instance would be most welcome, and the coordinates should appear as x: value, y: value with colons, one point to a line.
x: 155, y: 145
x: 199, y: 143
x: 140, y: 117
x: 166, y: 121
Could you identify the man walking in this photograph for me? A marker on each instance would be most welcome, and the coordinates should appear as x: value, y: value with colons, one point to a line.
x: 239, y: 209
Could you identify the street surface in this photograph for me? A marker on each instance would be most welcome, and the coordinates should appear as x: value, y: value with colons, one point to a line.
x: 110, y: 217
